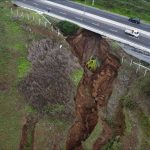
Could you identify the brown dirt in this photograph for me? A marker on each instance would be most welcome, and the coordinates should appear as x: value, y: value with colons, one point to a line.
x: 27, y: 137
x: 93, y: 91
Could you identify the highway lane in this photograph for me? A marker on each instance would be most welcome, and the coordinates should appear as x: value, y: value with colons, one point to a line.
x: 110, y: 29
x: 98, y: 12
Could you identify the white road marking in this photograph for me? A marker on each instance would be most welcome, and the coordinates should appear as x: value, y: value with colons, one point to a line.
x: 113, y: 30
x: 95, y: 24
x: 35, y: 4
x: 62, y: 13
x: 49, y: 8
x: 78, y: 18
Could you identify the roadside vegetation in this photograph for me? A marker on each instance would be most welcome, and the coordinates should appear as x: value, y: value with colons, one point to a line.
x: 14, y: 66
x: 16, y: 35
x: 67, y: 28
x: 130, y: 8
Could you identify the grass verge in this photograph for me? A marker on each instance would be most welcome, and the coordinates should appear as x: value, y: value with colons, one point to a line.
x: 13, y: 67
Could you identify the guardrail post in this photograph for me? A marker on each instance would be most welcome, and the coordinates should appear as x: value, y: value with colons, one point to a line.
x: 145, y: 72
x: 45, y: 24
x: 11, y: 11
x: 22, y: 14
x: 52, y: 28
x: 122, y: 60
x: 131, y: 62
x: 28, y: 16
x: 138, y: 68
x: 58, y: 32
x: 17, y: 12
x: 39, y: 21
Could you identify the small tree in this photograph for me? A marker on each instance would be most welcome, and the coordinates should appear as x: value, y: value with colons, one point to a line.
x: 67, y: 28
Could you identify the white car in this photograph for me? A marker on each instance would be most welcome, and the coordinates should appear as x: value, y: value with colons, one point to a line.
x: 132, y: 32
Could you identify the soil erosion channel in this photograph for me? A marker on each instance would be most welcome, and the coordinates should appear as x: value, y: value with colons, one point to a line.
x: 94, y: 89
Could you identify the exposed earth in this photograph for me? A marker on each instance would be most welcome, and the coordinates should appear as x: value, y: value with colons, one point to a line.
x: 93, y: 91
x: 49, y: 85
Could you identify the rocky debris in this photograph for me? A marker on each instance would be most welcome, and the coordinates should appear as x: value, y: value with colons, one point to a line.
x: 49, y: 79
x: 94, y: 89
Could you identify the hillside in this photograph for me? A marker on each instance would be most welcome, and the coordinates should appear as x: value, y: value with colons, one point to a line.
x: 51, y: 91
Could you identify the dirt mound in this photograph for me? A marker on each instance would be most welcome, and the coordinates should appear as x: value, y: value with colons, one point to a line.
x: 94, y: 89
x: 49, y: 80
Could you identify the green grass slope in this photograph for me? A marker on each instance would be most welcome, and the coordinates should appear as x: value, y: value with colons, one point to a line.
x: 13, y: 67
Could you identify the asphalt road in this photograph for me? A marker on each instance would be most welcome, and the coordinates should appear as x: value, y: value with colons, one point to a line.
x: 142, y: 40
x: 104, y: 14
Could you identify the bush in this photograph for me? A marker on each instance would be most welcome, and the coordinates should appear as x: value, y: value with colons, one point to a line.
x: 128, y: 102
x: 113, y: 144
x: 76, y: 76
x: 67, y: 28
x: 144, y: 86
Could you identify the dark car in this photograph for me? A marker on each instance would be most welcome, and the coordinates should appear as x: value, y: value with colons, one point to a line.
x: 134, y: 20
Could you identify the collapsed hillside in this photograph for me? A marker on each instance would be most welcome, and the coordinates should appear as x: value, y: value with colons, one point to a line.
x: 101, y: 98
x: 94, y: 89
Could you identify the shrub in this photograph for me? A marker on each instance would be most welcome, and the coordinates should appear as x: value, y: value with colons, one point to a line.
x: 67, y: 28
x: 145, y: 86
x: 128, y: 102
x: 113, y: 144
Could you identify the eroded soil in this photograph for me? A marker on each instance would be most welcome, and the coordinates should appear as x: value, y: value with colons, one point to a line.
x: 93, y: 91
x: 28, y: 130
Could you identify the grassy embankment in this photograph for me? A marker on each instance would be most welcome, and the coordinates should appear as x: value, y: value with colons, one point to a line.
x: 14, y: 65
x: 130, y: 8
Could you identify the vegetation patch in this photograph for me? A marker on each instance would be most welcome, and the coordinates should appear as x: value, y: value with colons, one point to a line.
x: 113, y: 144
x: 144, y: 136
x: 54, y: 109
x: 128, y: 123
x: 144, y: 86
x: 67, y: 28
x: 76, y: 76
x: 145, y: 124
x: 128, y: 102
x: 23, y: 67
x: 13, y: 67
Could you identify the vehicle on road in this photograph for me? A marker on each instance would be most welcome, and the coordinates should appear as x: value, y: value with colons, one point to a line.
x: 135, y: 20
x: 132, y: 33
